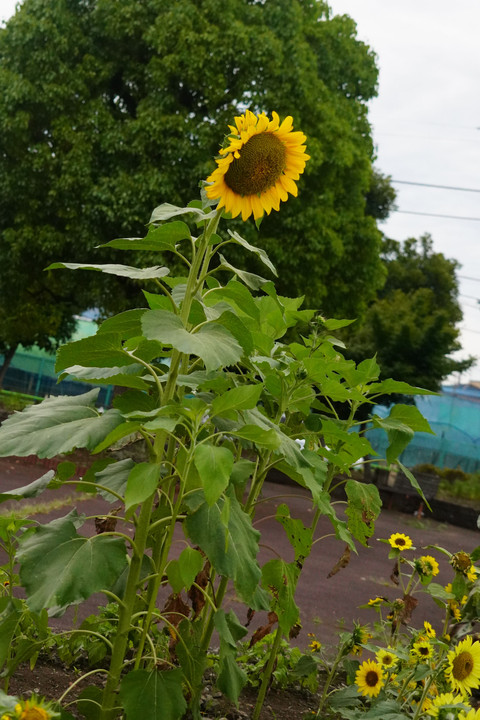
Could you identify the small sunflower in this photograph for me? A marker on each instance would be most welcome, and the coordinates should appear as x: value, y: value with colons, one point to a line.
x: 369, y: 678
x: 471, y: 574
x: 422, y: 649
x: 315, y: 646
x: 376, y: 601
x: 471, y: 715
x: 386, y: 658
x: 463, y: 671
x: 399, y: 541
x: 259, y: 165
x: 446, y: 700
x: 429, y: 630
x: 427, y: 566
x: 34, y: 709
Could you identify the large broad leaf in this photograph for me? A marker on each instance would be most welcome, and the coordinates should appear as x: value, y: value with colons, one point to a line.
x: 114, y: 477
x: 141, y: 483
x: 300, y: 537
x: 97, y: 351
x: 59, y: 568
x: 214, y: 465
x: 164, y: 237
x: 281, y: 579
x: 213, y: 343
x: 400, y: 426
x: 120, y: 270
x: 29, y: 491
x: 153, y: 695
x: 57, y: 425
x: 166, y: 211
x: 127, y: 324
x: 226, y: 535
x: 244, y: 397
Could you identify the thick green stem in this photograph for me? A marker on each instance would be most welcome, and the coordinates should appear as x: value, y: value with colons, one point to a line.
x: 126, y: 611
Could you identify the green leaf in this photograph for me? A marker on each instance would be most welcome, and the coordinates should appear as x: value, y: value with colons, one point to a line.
x: 142, y: 482
x: 237, y: 296
x: 114, y: 477
x: 57, y: 425
x: 121, y: 431
x: 231, y: 678
x: 232, y: 548
x: 397, y: 387
x: 213, y: 343
x: 166, y: 211
x: 127, y: 324
x: 412, y: 417
x: 164, y: 237
x: 29, y: 491
x: 413, y: 482
x: 185, y: 569
x: 120, y: 270
x: 8, y: 703
x: 238, y: 398
x: 363, y: 508
x: 214, y: 465
x: 10, y: 614
x: 97, y: 351
x: 153, y: 695
x: 260, y: 252
x: 59, y: 568
x: 259, y: 436
x: 126, y: 376
x: 229, y: 628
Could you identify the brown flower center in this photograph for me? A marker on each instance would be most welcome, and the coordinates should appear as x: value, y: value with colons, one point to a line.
x: 462, y: 666
x: 371, y: 678
x: 387, y: 659
x: 399, y: 541
x: 261, y: 162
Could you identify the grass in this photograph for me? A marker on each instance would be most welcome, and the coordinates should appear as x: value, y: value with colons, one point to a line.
x: 28, y: 510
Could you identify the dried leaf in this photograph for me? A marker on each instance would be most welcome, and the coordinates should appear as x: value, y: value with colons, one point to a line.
x: 195, y: 593
x: 260, y: 632
x: 342, y: 562
x: 107, y: 523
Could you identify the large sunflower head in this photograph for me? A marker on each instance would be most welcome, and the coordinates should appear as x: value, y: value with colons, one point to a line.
x: 445, y: 702
x: 369, y: 678
x: 258, y: 166
x: 463, y: 670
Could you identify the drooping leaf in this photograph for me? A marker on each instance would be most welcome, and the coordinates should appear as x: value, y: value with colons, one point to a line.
x: 253, y: 281
x: 231, y: 678
x: 120, y: 270
x: 10, y: 614
x: 114, y: 477
x: 57, y: 425
x: 300, y: 537
x: 153, y: 695
x: 260, y: 252
x: 166, y: 211
x: 232, y: 548
x: 59, y: 567
x: 29, y: 491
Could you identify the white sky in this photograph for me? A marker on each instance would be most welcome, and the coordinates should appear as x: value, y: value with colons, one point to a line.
x: 426, y: 127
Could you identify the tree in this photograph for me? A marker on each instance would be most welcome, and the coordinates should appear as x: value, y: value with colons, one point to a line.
x: 412, y: 325
x: 110, y: 108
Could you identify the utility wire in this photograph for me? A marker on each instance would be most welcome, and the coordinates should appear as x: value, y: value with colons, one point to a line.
x: 468, y: 277
x: 442, y: 187
x: 451, y: 217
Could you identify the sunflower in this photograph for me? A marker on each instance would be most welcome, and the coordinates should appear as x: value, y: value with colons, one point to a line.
x: 387, y: 658
x: 422, y: 649
x: 399, y: 541
x: 463, y: 671
x: 369, y: 678
x: 471, y: 715
x: 259, y: 165
x: 429, y: 630
x: 446, y: 700
x: 427, y: 566
x: 34, y: 709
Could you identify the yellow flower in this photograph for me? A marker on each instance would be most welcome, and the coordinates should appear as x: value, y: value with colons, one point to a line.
x: 400, y: 541
x: 387, y: 657
x: 376, y: 601
x: 471, y: 715
x: 422, y: 649
x: 427, y: 566
x: 259, y: 165
x: 471, y: 574
x: 463, y: 670
x: 369, y: 678
x: 429, y: 630
x: 315, y: 646
x: 445, y: 700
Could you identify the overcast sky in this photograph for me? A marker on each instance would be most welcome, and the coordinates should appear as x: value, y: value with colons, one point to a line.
x: 426, y: 127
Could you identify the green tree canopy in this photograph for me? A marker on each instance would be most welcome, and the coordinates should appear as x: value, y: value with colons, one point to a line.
x: 110, y: 108
x: 412, y: 325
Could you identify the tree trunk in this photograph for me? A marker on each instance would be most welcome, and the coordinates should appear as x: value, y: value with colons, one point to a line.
x: 7, y: 359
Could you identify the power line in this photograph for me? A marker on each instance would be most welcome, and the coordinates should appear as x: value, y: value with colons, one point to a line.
x: 451, y: 217
x: 442, y: 187
x: 468, y: 277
